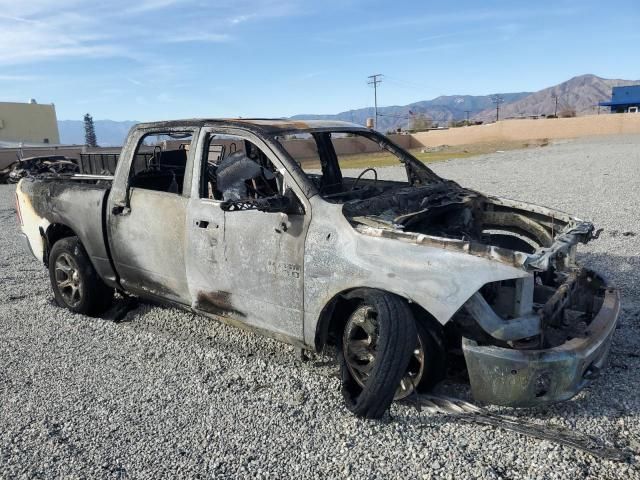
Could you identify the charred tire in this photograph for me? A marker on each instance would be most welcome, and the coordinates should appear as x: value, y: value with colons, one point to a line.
x: 431, y: 339
x: 75, y: 283
x: 385, y: 322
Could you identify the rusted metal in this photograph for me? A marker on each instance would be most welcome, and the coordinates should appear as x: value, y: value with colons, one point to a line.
x: 517, y: 377
x: 499, y: 328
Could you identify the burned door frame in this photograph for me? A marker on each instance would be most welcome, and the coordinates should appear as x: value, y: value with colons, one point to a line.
x: 252, y: 274
x: 204, y: 240
x: 146, y: 227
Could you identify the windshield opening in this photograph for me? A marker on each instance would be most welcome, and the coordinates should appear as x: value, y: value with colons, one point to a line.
x: 346, y: 165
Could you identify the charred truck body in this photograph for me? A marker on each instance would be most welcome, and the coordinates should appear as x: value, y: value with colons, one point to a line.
x: 258, y: 223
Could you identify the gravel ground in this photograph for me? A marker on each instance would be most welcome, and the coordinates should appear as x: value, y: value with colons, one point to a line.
x: 170, y: 394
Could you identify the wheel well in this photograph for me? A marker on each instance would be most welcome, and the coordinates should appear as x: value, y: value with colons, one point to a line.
x: 333, y: 317
x: 55, y: 232
x: 335, y: 314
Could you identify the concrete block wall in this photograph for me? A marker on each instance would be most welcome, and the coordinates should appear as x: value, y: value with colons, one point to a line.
x: 529, y: 129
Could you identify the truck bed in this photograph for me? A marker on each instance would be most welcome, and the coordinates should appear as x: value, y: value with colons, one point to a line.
x: 51, y: 208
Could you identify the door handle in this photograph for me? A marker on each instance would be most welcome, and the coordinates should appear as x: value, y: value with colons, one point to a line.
x: 205, y: 224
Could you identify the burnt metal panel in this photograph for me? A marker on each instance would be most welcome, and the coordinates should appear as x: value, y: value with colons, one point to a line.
x: 437, y: 277
x: 78, y: 206
x: 148, y: 245
x: 524, y: 378
x: 245, y: 267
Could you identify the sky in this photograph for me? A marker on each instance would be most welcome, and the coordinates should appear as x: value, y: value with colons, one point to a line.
x: 162, y: 59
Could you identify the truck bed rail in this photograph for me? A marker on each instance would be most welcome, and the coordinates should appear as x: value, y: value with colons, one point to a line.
x: 84, y: 176
x: 106, y: 163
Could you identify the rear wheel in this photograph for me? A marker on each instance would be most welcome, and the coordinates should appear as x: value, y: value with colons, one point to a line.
x: 76, y: 285
x: 376, y: 347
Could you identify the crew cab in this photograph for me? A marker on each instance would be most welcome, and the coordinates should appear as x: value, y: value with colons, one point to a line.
x: 298, y: 231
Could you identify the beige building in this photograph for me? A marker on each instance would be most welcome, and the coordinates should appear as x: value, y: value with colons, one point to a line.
x: 31, y: 123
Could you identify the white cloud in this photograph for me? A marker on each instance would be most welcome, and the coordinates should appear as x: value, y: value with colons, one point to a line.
x: 197, y: 37
x: 395, y: 52
x: 26, y: 9
x: 17, y: 78
x: 40, y: 30
x: 30, y: 41
x: 455, y: 19
x: 36, y: 31
x: 135, y: 82
x: 150, y: 5
x: 239, y: 19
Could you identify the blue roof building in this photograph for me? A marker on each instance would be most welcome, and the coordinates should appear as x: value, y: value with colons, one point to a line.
x: 624, y: 100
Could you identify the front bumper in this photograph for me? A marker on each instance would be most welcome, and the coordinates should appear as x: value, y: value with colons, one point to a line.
x: 524, y: 378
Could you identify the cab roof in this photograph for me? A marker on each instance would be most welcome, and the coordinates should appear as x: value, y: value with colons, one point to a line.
x: 271, y: 126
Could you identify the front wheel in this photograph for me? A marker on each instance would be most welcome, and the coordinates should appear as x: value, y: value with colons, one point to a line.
x: 76, y: 285
x: 428, y: 362
x: 377, y: 343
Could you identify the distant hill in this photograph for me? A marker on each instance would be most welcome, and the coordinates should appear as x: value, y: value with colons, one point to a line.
x: 109, y: 133
x: 441, y: 110
x: 582, y: 94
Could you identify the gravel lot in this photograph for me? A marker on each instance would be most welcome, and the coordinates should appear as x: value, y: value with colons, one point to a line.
x: 169, y: 394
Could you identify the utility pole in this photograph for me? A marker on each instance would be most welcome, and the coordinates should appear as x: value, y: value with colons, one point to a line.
x: 555, y: 112
x: 375, y: 81
x: 498, y: 100
x: 467, y: 112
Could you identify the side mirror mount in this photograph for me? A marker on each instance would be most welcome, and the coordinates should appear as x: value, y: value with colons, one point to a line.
x: 275, y: 204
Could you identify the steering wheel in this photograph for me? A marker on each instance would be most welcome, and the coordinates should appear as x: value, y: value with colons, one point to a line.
x: 360, y: 176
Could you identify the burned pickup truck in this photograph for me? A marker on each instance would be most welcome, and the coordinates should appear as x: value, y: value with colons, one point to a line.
x: 289, y: 229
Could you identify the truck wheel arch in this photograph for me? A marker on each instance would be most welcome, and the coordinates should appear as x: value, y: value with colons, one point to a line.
x: 54, y: 233
x: 337, y: 310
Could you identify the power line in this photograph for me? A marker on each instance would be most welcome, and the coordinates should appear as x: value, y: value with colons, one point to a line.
x: 375, y: 81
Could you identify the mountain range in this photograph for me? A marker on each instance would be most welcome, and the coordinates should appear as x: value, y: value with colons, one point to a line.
x: 440, y: 110
x: 580, y: 94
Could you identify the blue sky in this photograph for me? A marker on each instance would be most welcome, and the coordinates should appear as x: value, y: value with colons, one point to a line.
x: 160, y: 59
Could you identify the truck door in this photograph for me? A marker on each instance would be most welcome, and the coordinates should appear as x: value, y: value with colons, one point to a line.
x: 146, y: 219
x: 245, y: 266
